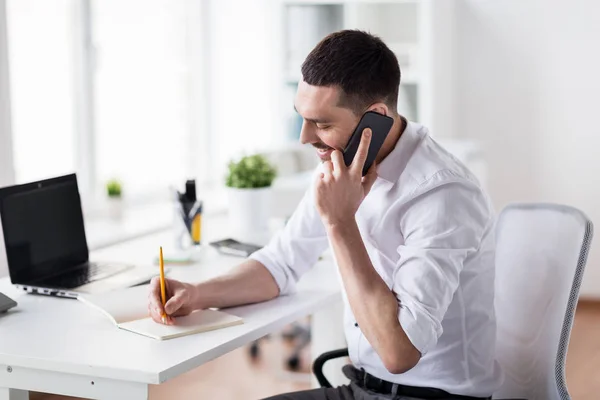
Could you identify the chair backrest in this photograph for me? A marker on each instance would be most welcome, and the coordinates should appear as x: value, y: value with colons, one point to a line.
x: 541, y: 254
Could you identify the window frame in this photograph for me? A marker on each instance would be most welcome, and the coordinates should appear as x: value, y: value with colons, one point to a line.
x: 198, y: 150
x: 7, y: 172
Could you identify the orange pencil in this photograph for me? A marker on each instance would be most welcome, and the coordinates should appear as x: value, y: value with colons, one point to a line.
x: 163, y: 291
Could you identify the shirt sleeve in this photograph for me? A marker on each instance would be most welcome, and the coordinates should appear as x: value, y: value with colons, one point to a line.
x: 442, y: 227
x: 296, y: 248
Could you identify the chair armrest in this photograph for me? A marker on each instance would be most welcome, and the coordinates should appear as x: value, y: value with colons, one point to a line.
x: 320, y: 361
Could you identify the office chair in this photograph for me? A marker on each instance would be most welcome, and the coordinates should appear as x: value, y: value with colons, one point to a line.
x: 541, y: 253
x: 299, y: 332
x: 540, y: 258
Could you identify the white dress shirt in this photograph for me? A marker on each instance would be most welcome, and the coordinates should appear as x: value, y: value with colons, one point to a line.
x: 428, y: 229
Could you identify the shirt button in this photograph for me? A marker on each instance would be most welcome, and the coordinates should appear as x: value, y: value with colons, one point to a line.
x: 356, y: 324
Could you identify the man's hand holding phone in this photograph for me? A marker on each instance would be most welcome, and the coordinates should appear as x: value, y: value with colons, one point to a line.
x: 340, y: 189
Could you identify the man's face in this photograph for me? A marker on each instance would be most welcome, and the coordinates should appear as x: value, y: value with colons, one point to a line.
x: 326, y: 125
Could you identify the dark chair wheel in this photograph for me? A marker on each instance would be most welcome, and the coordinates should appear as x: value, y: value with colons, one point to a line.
x: 293, y: 362
x: 291, y: 333
x: 254, y: 350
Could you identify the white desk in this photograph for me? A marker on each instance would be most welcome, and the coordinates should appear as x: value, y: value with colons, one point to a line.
x: 61, y: 346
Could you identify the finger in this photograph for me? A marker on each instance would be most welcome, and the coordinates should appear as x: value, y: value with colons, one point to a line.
x: 362, y: 152
x: 154, y: 297
x: 337, y: 161
x: 370, y: 178
x: 154, y: 285
x: 327, y: 169
x: 175, y: 303
x: 156, y: 314
x: 155, y: 305
x: 319, y: 179
x: 157, y: 317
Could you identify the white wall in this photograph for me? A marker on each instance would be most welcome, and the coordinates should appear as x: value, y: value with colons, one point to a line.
x: 529, y: 90
x: 437, y: 94
x: 6, y: 162
x: 243, y: 76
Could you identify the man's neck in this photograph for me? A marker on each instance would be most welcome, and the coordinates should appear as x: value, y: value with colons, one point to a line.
x: 392, y: 138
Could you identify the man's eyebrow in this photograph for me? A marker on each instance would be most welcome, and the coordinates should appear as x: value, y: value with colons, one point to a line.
x: 313, y: 120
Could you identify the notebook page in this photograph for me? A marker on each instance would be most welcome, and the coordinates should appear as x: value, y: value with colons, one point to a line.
x: 121, y: 305
x: 196, y: 322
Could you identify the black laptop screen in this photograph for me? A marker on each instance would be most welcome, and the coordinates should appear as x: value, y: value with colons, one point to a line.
x: 43, y: 229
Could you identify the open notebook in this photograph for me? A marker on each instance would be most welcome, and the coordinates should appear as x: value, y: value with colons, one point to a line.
x: 128, y: 309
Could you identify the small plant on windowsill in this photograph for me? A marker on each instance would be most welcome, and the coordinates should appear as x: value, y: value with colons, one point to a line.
x: 113, y: 188
x: 115, y: 198
x: 251, y: 172
x: 249, y: 182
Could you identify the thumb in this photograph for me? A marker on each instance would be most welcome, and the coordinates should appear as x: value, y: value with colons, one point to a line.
x: 369, y: 179
x: 174, y: 303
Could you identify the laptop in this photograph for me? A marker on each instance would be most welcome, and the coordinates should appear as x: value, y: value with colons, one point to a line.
x: 46, y: 245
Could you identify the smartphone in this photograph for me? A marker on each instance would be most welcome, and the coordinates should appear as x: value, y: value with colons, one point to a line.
x: 233, y: 247
x: 380, y: 127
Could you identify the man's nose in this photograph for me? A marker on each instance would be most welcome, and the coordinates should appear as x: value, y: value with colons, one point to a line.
x: 307, y: 134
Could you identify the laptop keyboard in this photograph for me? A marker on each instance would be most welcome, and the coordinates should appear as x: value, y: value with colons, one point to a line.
x: 93, y: 271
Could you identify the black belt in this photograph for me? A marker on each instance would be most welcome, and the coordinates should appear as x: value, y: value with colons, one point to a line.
x: 368, y: 381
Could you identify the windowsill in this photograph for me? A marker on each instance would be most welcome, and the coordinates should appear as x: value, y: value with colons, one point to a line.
x: 134, y: 223
x: 142, y: 220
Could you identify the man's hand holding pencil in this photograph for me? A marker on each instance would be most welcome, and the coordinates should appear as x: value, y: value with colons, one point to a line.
x: 169, y: 298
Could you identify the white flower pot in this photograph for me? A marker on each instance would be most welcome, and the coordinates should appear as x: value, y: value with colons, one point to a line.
x: 249, y: 212
x: 115, y: 208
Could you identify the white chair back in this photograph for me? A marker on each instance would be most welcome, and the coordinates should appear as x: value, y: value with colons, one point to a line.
x: 540, y: 258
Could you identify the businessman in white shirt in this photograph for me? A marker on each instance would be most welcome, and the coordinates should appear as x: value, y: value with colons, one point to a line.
x: 412, y: 240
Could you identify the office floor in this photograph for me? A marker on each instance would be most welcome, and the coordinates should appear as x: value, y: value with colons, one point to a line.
x: 237, y: 376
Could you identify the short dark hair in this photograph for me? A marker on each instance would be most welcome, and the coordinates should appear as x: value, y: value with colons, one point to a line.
x: 360, y: 64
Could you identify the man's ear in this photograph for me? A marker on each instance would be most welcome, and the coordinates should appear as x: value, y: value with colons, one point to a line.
x: 380, y: 108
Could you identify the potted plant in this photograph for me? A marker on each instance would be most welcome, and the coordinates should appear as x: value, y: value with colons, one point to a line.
x: 249, y: 183
x: 115, y: 198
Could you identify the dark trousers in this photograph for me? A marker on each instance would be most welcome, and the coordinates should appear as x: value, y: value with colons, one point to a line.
x: 345, y: 392
x: 352, y: 391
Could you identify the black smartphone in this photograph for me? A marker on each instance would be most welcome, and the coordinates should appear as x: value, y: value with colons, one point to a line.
x: 235, y: 248
x: 380, y: 127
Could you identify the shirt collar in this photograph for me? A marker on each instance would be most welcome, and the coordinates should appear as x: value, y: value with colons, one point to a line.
x: 394, y: 163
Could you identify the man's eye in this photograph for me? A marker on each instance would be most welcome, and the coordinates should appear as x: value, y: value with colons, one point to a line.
x: 323, y: 127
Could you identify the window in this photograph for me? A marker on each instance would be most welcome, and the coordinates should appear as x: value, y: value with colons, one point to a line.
x: 141, y: 83
x: 109, y: 89
x: 40, y: 66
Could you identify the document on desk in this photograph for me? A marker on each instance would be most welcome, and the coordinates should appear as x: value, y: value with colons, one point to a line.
x: 128, y: 310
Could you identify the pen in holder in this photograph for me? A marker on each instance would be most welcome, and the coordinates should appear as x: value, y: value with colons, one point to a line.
x: 188, y: 217
x: 188, y: 226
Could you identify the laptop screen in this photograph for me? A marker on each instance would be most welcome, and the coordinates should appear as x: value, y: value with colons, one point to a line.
x: 43, y: 228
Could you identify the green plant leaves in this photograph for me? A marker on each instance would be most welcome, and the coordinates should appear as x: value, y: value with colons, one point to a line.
x: 113, y: 188
x: 251, y: 172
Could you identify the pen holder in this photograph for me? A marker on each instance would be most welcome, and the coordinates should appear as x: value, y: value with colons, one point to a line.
x: 188, y: 224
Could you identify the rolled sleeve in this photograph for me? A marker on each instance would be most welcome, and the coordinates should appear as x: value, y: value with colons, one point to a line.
x: 296, y: 248
x: 442, y: 227
x: 284, y: 277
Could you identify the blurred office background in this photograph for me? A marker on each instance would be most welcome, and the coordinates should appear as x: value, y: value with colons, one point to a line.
x: 156, y: 92
x: 153, y: 92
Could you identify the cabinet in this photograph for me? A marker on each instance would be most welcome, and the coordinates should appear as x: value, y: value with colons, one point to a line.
x: 419, y: 32
x: 422, y: 35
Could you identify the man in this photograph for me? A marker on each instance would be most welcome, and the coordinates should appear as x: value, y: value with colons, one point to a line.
x: 413, y: 241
